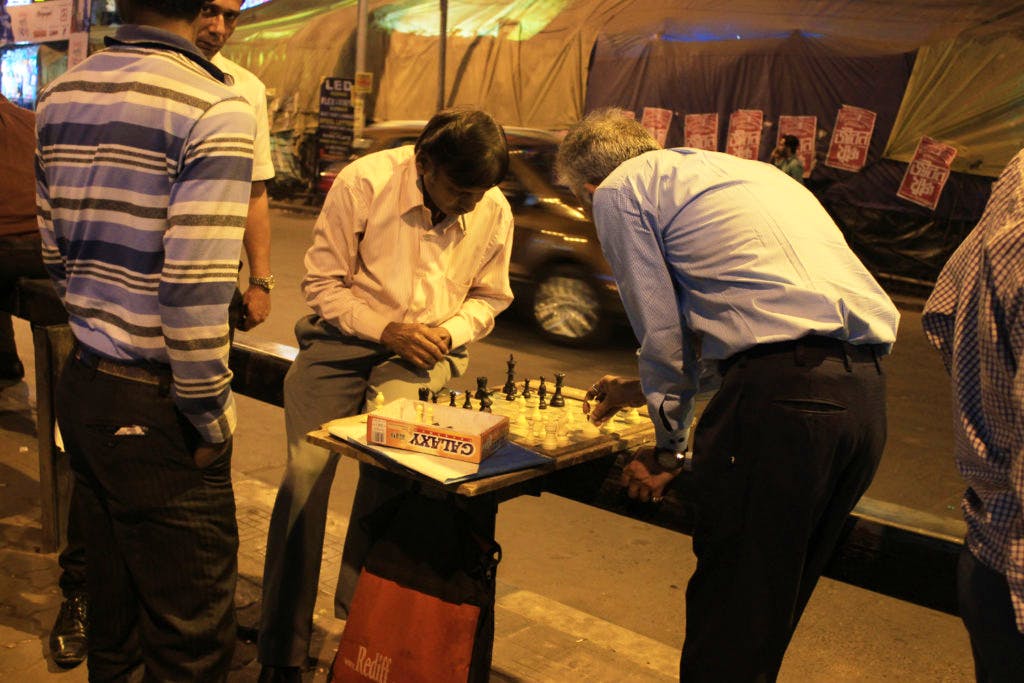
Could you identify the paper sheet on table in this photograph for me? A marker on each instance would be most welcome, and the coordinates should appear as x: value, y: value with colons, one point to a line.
x: 509, y: 457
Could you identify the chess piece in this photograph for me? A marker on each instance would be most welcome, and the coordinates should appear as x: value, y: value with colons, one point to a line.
x: 633, y: 416
x: 550, y: 435
x: 467, y: 404
x: 542, y: 392
x: 434, y: 395
x: 486, y: 403
x: 428, y: 414
x: 510, y: 379
x: 419, y: 413
x: 557, y: 401
x: 527, y: 394
x: 424, y: 393
x: 451, y: 399
x: 378, y: 401
x: 481, y: 389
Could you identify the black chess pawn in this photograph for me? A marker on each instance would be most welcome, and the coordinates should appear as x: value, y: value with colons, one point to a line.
x: 557, y: 400
x: 434, y: 395
x: 485, y: 404
x: 451, y: 399
x: 424, y: 393
x: 481, y: 389
x: 467, y: 404
x: 510, y: 380
x: 527, y: 394
x: 542, y: 392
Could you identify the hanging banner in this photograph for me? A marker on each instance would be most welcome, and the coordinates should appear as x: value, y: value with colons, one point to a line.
x: 927, y: 173
x: 700, y: 131
x: 744, y: 138
x: 78, y: 48
x: 41, y: 21
x: 656, y: 121
x: 848, y: 149
x: 804, y: 128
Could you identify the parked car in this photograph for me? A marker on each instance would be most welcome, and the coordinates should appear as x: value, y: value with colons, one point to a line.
x: 560, y: 277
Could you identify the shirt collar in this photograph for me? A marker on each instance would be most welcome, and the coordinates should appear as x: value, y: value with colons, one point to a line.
x: 137, y: 35
x: 412, y: 199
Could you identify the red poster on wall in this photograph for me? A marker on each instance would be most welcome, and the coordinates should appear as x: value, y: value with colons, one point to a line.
x: 804, y: 128
x: 657, y: 121
x: 744, y: 139
x: 927, y: 173
x: 700, y: 131
x: 848, y: 149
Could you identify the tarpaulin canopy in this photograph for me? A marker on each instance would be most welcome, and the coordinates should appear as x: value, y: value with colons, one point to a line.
x: 946, y: 69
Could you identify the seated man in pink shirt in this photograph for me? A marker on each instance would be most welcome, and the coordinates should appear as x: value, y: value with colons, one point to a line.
x: 409, y: 263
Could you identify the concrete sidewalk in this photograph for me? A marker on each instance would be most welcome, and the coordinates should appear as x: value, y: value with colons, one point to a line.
x: 584, y: 595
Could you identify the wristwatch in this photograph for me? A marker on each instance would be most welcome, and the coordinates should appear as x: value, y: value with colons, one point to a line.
x: 673, y: 460
x: 266, y: 283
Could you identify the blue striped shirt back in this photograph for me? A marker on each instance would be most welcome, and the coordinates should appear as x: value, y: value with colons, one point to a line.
x: 143, y: 173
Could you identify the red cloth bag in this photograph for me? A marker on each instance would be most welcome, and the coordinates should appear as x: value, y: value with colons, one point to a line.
x: 423, y: 609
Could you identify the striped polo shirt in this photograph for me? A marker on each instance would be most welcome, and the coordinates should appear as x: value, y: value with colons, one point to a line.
x: 143, y: 172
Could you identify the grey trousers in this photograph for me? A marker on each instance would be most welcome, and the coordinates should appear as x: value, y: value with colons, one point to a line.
x: 333, y: 376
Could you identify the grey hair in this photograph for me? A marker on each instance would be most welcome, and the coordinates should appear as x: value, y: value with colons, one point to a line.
x: 595, y: 146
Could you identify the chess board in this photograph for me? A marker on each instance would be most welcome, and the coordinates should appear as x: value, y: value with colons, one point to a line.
x: 555, y: 430
x: 579, y: 441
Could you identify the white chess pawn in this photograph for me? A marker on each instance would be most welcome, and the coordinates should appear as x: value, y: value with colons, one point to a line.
x: 535, y: 416
x: 419, y: 413
x: 550, y: 435
x: 429, y: 414
x: 378, y: 401
x: 520, y: 424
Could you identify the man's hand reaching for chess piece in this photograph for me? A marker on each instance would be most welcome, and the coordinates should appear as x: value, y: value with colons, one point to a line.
x: 421, y: 345
x: 610, y: 394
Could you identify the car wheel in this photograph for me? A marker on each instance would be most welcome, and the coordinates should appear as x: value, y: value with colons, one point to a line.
x: 566, y: 306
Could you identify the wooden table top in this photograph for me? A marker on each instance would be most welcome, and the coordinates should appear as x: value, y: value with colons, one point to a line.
x: 623, y: 437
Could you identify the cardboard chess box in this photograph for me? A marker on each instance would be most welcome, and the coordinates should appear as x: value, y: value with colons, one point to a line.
x: 436, y: 429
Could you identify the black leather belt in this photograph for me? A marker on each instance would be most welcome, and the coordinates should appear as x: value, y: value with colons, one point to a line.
x: 148, y: 373
x: 809, y: 351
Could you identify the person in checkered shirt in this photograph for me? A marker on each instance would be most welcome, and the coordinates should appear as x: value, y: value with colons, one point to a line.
x: 975, y: 318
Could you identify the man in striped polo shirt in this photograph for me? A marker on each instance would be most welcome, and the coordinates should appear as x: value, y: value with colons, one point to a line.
x: 144, y: 167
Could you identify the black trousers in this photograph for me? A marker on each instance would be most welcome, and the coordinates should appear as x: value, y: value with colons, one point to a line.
x: 160, y: 533
x: 987, y: 612
x: 782, y: 453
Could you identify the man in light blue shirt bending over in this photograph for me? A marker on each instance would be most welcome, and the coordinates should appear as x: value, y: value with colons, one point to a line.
x: 726, y: 261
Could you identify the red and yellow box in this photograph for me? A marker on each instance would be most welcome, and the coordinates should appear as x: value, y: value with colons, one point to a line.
x: 449, y: 432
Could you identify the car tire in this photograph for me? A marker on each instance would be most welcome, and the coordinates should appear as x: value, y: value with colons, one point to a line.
x: 566, y: 306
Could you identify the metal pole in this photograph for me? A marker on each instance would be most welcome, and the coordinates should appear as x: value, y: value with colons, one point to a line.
x: 442, y: 55
x: 361, y: 37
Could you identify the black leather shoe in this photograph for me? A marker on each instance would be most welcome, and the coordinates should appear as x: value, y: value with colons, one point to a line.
x: 11, y: 367
x: 280, y: 674
x: 68, y: 643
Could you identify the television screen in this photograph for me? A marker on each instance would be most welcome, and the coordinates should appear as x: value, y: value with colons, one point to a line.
x: 19, y: 75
